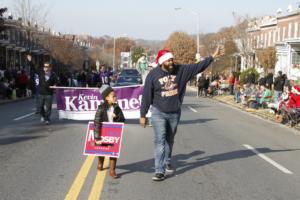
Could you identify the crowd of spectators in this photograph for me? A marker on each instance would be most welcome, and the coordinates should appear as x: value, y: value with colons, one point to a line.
x: 279, y: 94
x: 20, y: 83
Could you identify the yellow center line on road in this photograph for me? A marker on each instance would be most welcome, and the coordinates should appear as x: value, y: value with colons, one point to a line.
x: 96, y: 190
x: 80, y: 179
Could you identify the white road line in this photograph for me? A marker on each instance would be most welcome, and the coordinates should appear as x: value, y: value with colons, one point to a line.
x: 24, y: 116
x: 192, y: 109
x: 269, y: 160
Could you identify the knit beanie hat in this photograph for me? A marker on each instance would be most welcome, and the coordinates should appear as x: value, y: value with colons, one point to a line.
x: 163, y: 55
x: 105, y: 90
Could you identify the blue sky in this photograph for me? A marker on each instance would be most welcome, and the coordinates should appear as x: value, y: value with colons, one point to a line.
x: 149, y: 19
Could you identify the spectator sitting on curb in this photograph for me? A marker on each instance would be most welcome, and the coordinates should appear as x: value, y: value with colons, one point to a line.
x: 276, y: 106
x: 259, y: 92
x: 266, y: 96
x: 223, y: 85
x: 213, y: 88
x: 289, y: 106
x: 250, y: 95
x: 245, y: 93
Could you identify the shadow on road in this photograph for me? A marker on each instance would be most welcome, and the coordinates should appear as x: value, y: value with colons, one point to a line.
x: 30, y: 130
x: 186, y: 105
x: 147, y: 166
x: 11, y: 140
x: 195, y: 121
x: 191, y: 161
x: 183, y: 166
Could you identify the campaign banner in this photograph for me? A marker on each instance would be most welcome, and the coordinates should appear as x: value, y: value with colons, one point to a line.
x: 82, y: 103
x: 111, y: 137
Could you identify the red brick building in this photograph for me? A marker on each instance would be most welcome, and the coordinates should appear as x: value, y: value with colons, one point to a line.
x: 280, y: 31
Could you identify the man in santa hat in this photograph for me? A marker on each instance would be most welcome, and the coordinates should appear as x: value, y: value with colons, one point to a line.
x: 164, y: 89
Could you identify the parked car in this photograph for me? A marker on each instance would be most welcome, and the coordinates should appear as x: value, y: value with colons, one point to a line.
x: 128, y: 80
x: 130, y: 72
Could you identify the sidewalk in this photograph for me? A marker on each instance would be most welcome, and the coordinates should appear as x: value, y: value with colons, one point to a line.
x: 263, y: 113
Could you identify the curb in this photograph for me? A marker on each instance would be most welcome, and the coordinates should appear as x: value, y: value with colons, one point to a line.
x: 258, y: 114
x: 255, y: 113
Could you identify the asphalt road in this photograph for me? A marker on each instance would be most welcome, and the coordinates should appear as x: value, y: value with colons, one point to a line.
x: 220, y: 153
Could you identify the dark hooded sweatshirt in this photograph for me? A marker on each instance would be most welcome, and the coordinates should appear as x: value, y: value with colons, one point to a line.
x: 165, y: 90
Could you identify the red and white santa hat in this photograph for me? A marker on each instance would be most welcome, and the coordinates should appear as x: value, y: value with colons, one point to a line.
x: 154, y: 64
x: 163, y: 55
x: 295, y: 90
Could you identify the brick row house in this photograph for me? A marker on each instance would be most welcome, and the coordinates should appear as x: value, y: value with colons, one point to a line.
x: 280, y: 31
x: 18, y: 41
x: 21, y: 44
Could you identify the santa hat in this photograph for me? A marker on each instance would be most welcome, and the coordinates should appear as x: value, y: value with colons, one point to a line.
x: 154, y: 64
x: 163, y: 55
x: 295, y: 90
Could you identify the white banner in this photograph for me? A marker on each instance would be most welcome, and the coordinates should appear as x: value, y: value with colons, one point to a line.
x: 82, y: 103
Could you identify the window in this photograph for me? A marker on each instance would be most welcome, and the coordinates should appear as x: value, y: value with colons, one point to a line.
x: 278, y: 37
x: 283, y: 33
x: 266, y: 41
x: 290, y: 30
x: 274, y: 37
x: 296, y: 29
x: 296, y: 57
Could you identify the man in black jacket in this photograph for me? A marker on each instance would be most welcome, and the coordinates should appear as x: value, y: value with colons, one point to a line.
x: 278, y: 86
x: 269, y: 81
x: 164, y: 89
x: 201, y: 84
x: 47, y: 78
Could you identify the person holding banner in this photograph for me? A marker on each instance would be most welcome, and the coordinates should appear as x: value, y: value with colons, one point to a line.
x: 164, y: 89
x: 109, y: 111
x: 47, y: 78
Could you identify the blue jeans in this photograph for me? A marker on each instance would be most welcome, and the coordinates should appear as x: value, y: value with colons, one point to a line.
x: 237, y: 96
x: 45, y: 106
x: 165, y: 127
x: 277, y: 95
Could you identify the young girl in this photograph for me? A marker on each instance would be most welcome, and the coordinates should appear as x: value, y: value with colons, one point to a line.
x: 109, y: 111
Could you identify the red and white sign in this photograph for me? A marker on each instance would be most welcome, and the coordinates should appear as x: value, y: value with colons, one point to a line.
x: 111, y: 137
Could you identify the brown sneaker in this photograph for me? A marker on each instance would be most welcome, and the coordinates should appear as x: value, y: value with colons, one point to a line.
x: 100, y: 163
x: 112, y: 168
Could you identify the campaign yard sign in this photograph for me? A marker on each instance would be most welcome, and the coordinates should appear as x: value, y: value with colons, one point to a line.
x: 111, y: 137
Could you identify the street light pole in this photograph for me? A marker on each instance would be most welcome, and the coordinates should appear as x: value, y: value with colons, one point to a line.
x: 198, y: 39
x: 198, y: 57
x: 114, y: 53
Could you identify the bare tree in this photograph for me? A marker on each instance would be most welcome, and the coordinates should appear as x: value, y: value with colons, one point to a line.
x: 99, y: 53
x: 226, y: 37
x: 267, y: 57
x: 66, y: 52
x: 32, y: 12
x: 241, y: 36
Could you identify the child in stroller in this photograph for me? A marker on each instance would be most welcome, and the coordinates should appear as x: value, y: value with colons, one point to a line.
x: 288, y: 108
x: 213, y: 88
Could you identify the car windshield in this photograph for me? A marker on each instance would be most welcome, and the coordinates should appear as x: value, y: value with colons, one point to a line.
x: 130, y: 72
x: 128, y: 80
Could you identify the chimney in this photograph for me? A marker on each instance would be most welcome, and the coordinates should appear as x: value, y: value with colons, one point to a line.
x: 289, y: 9
x: 279, y: 11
